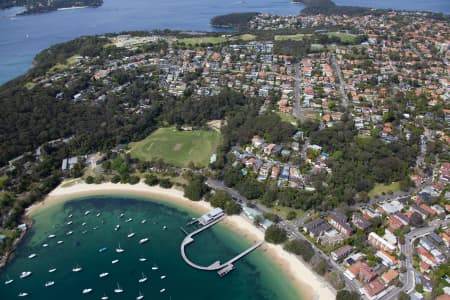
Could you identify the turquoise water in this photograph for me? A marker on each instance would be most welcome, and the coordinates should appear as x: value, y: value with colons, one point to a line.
x: 255, y: 276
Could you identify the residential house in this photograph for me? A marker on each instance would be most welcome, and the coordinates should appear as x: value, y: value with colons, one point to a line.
x: 373, y: 288
x: 316, y: 228
x: 360, y: 223
x: 423, y: 213
x: 380, y: 243
x: 341, y: 252
x: 389, y: 276
x: 339, y: 222
x: 366, y: 274
x: 387, y: 259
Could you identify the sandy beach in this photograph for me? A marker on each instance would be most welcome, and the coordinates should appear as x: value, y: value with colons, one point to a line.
x: 312, y: 288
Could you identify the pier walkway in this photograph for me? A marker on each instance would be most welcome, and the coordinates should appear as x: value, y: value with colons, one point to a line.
x: 216, y: 265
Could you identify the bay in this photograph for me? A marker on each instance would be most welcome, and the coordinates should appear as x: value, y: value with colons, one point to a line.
x: 255, y: 276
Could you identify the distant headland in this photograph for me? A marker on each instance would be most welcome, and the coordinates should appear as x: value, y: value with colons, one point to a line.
x: 43, y: 6
x: 312, y: 7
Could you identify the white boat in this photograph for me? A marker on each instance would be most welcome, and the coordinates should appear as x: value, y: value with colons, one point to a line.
x: 95, y: 228
x: 143, y: 278
x: 131, y: 234
x: 32, y: 255
x: 121, y: 215
x: 9, y: 280
x: 163, y: 276
x: 140, y: 297
x: 51, y: 236
x: 155, y: 267
x: 98, y: 214
x: 70, y: 216
x: 23, y: 294
x: 87, y: 212
x: 115, y: 261
x: 25, y: 274
x: 86, y: 291
x: 164, y: 227
x: 77, y: 268
x: 119, y: 249
x: 52, y: 270
x: 117, y: 227
x: 143, y: 241
x: 83, y: 224
x: 45, y: 245
x: 103, y: 274
x: 118, y: 290
x: 59, y: 242
x: 49, y: 283
x: 144, y: 221
x: 69, y: 223
x: 142, y: 259
x: 69, y: 232
x: 128, y: 220
x: 104, y: 297
x: 162, y: 290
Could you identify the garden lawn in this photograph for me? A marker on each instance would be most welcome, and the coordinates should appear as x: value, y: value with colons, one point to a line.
x: 177, y: 147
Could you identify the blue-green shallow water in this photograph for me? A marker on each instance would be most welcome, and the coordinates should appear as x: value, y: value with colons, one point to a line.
x: 255, y: 277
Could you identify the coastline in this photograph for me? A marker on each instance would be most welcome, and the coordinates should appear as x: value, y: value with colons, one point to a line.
x: 295, y: 269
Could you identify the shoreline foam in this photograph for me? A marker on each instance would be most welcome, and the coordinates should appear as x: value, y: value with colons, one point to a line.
x: 295, y: 269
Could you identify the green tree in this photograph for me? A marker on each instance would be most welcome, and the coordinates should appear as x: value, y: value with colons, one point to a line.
x: 196, y: 188
x: 347, y: 295
x: 300, y: 247
x: 151, y: 180
x: 219, y: 199
x: 115, y: 179
x: 275, y: 234
x: 89, y: 180
x: 134, y: 179
x: 291, y: 215
x: 232, y: 208
x: 165, y: 183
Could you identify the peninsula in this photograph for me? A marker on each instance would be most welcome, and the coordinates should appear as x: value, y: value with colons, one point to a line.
x: 43, y: 6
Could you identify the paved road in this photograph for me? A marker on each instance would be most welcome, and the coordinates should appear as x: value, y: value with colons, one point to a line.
x: 297, y: 91
x: 338, y: 71
x: 407, y: 250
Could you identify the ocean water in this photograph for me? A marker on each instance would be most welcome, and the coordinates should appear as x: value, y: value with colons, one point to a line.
x: 255, y: 276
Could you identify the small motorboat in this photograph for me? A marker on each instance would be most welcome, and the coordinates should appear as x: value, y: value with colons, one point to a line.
x: 140, y: 297
x: 52, y: 270
x: 102, y: 275
x: 32, y: 255
x: 25, y: 274
x: 77, y: 268
x: 9, y: 280
x: 23, y: 294
x: 49, y: 283
x: 143, y: 278
x: 119, y: 249
x: 163, y: 276
x: 143, y: 241
x: 86, y: 291
x: 115, y: 261
x: 118, y: 290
